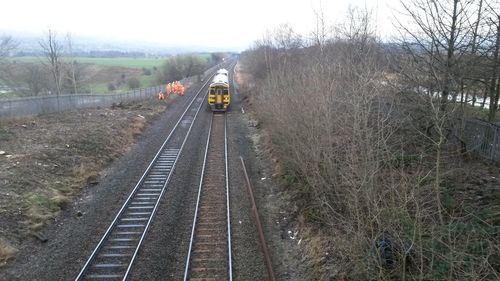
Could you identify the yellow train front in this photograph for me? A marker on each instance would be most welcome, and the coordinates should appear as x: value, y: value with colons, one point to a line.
x: 219, y: 96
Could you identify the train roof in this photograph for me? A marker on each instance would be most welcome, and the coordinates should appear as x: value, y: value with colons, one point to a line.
x: 220, y: 78
x: 222, y: 71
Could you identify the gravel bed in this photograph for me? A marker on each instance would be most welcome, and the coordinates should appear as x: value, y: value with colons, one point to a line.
x: 73, y: 234
x: 280, y: 232
x: 163, y: 254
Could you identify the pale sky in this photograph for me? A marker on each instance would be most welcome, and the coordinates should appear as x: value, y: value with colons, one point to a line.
x: 220, y: 23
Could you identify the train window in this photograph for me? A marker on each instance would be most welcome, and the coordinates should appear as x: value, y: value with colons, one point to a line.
x: 219, y: 91
x: 225, y: 91
x: 212, y: 91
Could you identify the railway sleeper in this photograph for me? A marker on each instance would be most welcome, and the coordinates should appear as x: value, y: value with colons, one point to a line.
x: 209, y: 230
x: 204, y: 272
x: 209, y: 253
x: 215, y: 263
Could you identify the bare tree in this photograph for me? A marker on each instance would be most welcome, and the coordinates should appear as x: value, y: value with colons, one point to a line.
x: 7, y: 45
x: 438, y: 39
x: 35, y: 78
x: 321, y: 34
x: 493, y: 89
x: 52, y: 49
x: 71, y: 64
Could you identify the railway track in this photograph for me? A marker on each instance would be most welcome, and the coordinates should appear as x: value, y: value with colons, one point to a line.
x: 114, y: 255
x: 209, y: 255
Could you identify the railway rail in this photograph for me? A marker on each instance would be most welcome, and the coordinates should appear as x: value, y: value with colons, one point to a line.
x: 209, y: 255
x: 114, y: 255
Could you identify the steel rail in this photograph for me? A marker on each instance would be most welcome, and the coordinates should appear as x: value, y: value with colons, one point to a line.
x: 193, y: 227
x: 164, y: 188
x: 258, y: 225
x: 200, y: 191
x: 227, y: 199
x: 139, y: 184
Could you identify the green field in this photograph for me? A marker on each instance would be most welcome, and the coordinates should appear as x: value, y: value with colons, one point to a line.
x: 120, y: 62
x: 107, y: 75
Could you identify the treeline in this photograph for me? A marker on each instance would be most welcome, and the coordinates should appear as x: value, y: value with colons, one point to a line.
x: 182, y: 66
x: 58, y: 70
x: 89, y: 54
x: 366, y: 132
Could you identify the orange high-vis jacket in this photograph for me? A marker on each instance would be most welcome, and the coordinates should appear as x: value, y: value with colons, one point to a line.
x: 161, y: 96
x: 168, y: 88
x: 176, y: 87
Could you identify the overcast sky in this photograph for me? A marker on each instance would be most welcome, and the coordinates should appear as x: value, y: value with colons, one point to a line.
x: 220, y: 23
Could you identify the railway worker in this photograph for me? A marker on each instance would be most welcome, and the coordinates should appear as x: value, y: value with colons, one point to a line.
x: 181, y: 90
x: 176, y: 87
x: 168, y: 88
x: 161, y: 96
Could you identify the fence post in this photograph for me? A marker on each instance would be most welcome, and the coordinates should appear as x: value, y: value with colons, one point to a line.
x: 494, y: 144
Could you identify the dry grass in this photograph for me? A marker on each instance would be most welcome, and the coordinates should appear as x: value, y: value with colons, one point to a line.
x: 373, y: 191
x: 6, y: 252
x: 52, y: 157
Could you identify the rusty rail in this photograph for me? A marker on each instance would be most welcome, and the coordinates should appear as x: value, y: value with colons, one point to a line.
x: 258, y: 224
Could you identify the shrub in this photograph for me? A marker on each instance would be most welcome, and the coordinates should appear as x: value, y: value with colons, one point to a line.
x: 133, y: 83
x: 111, y: 87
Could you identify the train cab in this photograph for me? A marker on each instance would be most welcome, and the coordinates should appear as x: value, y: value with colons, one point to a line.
x: 219, y: 96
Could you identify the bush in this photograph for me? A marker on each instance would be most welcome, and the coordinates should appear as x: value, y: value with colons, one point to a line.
x: 111, y: 87
x: 179, y: 67
x: 360, y: 170
x: 133, y: 83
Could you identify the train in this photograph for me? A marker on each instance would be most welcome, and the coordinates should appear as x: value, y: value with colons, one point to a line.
x: 219, y: 95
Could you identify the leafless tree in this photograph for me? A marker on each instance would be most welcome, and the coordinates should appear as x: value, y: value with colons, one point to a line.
x: 321, y: 33
x: 53, y: 49
x: 366, y: 159
x: 438, y: 39
x: 7, y: 45
x: 35, y: 78
x: 71, y: 64
x: 494, y: 86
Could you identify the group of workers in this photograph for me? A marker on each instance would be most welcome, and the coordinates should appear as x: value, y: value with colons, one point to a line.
x: 175, y: 87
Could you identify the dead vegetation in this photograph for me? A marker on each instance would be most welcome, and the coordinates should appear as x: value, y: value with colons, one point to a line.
x: 47, y: 160
x: 382, y: 193
x: 6, y: 252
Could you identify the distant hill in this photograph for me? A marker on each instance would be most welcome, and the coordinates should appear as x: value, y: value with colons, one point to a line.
x: 94, y: 47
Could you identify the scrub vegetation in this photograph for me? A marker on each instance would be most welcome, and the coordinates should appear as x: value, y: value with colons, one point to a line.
x: 367, y: 138
x: 46, y: 162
